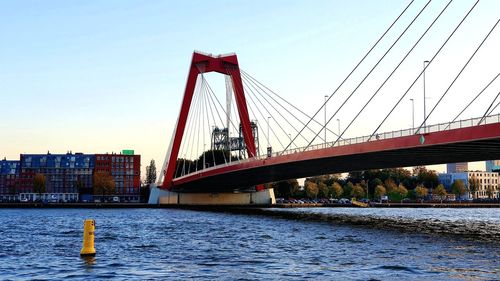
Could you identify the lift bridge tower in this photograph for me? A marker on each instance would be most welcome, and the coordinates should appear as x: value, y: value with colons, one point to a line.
x: 222, y: 140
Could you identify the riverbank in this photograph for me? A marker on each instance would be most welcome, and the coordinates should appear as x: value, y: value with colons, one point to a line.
x: 287, y: 205
x: 75, y: 205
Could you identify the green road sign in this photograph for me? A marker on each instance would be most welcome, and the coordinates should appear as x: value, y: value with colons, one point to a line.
x: 128, y: 152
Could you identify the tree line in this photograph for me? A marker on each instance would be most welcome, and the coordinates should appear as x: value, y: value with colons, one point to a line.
x: 396, y: 183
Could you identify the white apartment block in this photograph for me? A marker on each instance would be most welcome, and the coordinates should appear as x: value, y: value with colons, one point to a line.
x: 485, y: 181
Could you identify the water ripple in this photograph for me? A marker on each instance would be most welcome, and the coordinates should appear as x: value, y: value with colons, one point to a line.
x: 319, y: 244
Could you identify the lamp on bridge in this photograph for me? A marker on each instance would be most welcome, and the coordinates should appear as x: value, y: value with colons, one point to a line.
x: 338, y: 122
x: 326, y: 100
x: 269, y: 149
x: 412, y: 113
x: 204, y: 150
x: 425, y: 115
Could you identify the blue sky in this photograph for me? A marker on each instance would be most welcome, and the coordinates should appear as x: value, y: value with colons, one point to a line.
x: 101, y: 76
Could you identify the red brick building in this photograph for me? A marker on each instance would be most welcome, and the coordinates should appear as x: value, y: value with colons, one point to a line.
x: 126, y: 171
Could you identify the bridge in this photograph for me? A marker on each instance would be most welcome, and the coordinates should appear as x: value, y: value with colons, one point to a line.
x: 394, y: 149
x: 236, y: 160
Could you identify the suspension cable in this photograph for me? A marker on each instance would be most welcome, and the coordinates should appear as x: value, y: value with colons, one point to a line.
x: 215, y: 122
x: 418, y: 77
x: 188, y: 130
x: 264, y: 117
x: 193, y: 132
x: 209, y: 126
x: 393, y: 71
x: 370, y: 72
x: 228, y: 115
x: 275, y: 109
x: 458, y: 75
x: 279, y: 113
x: 467, y: 106
x: 212, y: 94
x: 493, y: 109
x: 356, y: 67
x: 261, y: 86
x: 486, y: 112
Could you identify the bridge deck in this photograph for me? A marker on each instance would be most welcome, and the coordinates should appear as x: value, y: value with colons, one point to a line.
x: 458, y: 145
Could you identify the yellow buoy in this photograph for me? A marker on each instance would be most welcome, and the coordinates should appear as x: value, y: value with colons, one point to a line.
x: 88, y: 238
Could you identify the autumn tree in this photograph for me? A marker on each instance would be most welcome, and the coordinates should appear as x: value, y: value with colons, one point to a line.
x: 402, y: 191
x: 323, y: 191
x: 428, y: 178
x: 331, y: 178
x: 373, y: 185
x: 311, y: 190
x: 380, y: 191
x: 440, y: 191
x: 337, y: 190
x: 315, y: 179
x: 103, y: 184
x: 458, y: 188
x: 364, y: 185
x: 473, y: 186
x: 421, y: 192
x: 358, y: 191
x: 39, y: 184
x: 400, y: 175
x: 390, y: 185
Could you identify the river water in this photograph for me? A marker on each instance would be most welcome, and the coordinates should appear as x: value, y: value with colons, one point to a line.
x: 319, y: 244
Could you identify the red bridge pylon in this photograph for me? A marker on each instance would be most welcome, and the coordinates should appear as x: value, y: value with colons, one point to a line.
x: 202, y: 63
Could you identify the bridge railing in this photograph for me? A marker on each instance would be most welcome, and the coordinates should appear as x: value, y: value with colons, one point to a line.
x: 394, y: 134
x: 382, y: 136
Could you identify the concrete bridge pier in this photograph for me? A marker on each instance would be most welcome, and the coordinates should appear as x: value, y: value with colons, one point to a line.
x: 165, y: 197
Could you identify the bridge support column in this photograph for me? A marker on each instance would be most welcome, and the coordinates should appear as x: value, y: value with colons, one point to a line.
x: 165, y: 197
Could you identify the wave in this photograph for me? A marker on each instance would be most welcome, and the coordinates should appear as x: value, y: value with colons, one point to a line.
x: 476, y: 230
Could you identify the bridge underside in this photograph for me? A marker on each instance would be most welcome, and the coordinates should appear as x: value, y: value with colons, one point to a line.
x: 459, y: 145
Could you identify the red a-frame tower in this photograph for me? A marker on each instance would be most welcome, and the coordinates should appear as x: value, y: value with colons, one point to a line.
x: 201, y: 63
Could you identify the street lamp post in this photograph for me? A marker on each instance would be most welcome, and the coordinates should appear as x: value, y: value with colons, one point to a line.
x: 412, y: 114
x: 269, y: 149
x: 204, y: 147
x: 268, y: 136
x: 425, y: 115
x: 184, y: 165
x: 326, y: 96
x: 338, y: 123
